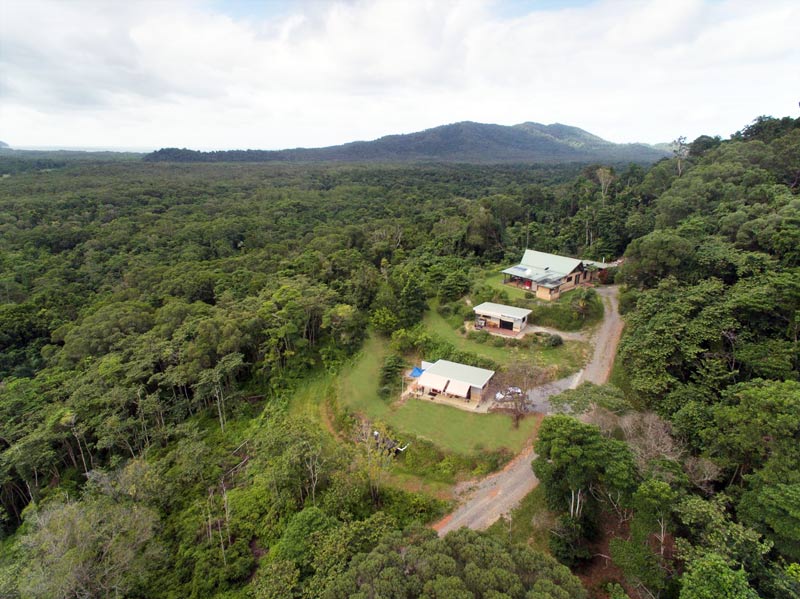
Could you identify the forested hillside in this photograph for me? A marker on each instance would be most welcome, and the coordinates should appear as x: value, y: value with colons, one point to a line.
x: 702, y: 493
x: 159, y: 320
x: 465, y: 142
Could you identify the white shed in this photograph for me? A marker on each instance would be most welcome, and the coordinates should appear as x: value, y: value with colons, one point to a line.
x: 500, y: 316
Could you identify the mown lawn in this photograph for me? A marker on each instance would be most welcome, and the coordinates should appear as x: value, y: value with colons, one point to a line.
x: 458, y: 431
x: 357, y: 389
x: 495, y: 280
x: 447, y: 427
x: 569, y: 357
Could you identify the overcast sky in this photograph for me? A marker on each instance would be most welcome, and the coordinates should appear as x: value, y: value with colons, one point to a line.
x: 253, y: 74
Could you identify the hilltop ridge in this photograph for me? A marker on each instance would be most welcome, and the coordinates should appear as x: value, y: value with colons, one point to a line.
x: 465, y: 141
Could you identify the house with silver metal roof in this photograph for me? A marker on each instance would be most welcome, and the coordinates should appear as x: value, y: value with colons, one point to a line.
x: 498, y: 316
x: 549, y: 275
x: 452, y: 378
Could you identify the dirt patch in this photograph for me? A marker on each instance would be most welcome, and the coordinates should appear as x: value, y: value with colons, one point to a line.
x: 601, y: 571
x: 257, y: 550
x: 327, y: 422
x: 443, y: 523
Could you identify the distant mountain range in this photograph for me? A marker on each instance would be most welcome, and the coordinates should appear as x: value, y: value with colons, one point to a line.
x: 460, y: 142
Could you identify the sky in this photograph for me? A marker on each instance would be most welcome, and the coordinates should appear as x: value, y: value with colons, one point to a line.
x: 216, y: 74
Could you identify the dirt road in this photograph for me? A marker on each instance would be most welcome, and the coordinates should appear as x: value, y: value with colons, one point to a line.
x: 485, y: 500
x: 491, y: 497
x: 606, y: 339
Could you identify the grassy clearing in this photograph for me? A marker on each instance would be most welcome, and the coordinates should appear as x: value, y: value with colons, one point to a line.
x: 495, y: 280
x: 569, y: 357
x: 458, y: 431
x: 309, y: 399
x: 529, y: 523
x: 416, y: 484
x: 448, y: 428
x: 358, y: 386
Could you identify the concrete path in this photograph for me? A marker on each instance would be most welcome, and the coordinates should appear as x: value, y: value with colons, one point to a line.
x: 484, y: 501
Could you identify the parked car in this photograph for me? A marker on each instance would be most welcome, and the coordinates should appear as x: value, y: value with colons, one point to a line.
x: 507, y: 393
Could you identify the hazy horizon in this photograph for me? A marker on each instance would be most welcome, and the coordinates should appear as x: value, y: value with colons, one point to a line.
x: 148, y: 149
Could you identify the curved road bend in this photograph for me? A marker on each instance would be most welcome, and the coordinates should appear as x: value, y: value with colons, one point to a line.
x: 485, y: 500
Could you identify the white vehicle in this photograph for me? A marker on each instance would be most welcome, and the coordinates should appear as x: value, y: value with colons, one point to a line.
x: 507, y: 394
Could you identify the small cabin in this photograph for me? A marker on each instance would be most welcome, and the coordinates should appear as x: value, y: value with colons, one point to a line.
x: 454, y: 379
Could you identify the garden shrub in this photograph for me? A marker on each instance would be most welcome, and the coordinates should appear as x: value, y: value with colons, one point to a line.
x: 487, y: 293
x: 571, y: 312
x: 455, y: 284
x: 408, y: 508
x: 627, y: 299
x: 434, y: 348
x: 393, y: 366
x: 554, y: 341
x: 481, y: 336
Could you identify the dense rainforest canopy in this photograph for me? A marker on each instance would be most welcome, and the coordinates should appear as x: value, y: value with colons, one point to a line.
x: 156, y: 320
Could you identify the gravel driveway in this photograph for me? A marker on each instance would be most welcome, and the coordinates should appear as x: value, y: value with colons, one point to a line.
x: 491, y: 497
x: 485, y: 500
x: 606, y: 338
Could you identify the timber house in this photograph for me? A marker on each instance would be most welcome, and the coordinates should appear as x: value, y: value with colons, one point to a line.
x: 549, y: 275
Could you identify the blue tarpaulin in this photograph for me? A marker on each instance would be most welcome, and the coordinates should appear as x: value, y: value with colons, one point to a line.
x: 416, y: 372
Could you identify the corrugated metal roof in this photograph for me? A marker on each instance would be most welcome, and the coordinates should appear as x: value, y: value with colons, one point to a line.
x: 501, y: 310
x: 543, y: 279
x: 546, y: 270
x: 476, y: 377
x: 551, y: 263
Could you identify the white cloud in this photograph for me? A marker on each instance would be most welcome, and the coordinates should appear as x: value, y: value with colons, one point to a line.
x: 182, y: 73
